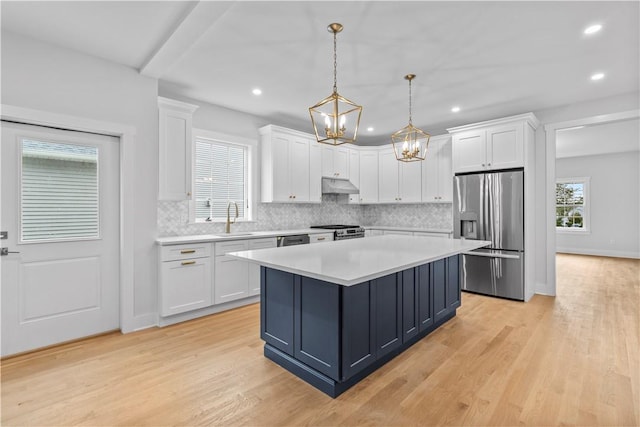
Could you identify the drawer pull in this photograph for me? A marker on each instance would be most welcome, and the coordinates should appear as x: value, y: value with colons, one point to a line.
x: 188, y: 262
x: 188, y: 251
x: 321, y: 238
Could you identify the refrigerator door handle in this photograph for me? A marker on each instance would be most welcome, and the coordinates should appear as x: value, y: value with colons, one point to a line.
x: 490, y: 255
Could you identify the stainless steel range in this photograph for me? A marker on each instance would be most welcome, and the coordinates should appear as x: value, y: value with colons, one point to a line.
x: 341, y: 232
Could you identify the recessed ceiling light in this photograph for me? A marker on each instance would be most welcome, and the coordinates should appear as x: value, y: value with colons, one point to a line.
x: 597, y: 76
x: 370, y: 129
x: 257, y: 91
x: 455, y: 109
x: 593, y: 29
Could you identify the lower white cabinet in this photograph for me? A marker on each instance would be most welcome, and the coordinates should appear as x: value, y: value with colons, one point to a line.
x: 185, y: 278
x: 320, y: 238
x: 231, y: 278
x: 254, y: 269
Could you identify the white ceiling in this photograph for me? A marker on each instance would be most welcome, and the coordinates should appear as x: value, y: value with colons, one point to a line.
x: 615, y: 137
x: 493, y: 59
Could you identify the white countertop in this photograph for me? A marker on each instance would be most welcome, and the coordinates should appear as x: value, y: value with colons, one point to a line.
x: 353, y: 261
x: 240, y: 235
x: 416, y: 229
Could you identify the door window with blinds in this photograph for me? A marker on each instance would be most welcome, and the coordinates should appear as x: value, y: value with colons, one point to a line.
x: 59, y: 197
x: 221, y: 177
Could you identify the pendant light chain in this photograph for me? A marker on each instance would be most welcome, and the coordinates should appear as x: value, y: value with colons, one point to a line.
x: 410, y: 101
x: 335, y: 62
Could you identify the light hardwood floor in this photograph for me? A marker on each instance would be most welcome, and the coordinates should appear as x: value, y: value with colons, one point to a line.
x: 569, y: 360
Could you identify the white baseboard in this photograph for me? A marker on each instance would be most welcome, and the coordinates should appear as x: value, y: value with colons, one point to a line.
x: 143, y: 321
x: 598, y: 252
x: 182, y: 317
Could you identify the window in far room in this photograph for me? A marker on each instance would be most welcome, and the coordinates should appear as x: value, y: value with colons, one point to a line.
x: 572, y: 207
x: 221, y: 177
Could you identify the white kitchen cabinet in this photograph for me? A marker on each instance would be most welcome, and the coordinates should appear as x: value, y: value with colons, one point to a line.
x: 315, y: 172
x: 231, y: 275
x: 320, y: 238
x: 497, y: 144
x: 368, y: 176
x: 354, y: 174
x: 335, y: 161
x: 398, y: 182
x: 175, y: 120
x: 437, y: 171
x: 185, y: 278
x: 287, y: 168
x: 254, y: 269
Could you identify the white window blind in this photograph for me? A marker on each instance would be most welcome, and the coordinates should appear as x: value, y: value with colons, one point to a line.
x: 59, y: 191
x: 220, y: 178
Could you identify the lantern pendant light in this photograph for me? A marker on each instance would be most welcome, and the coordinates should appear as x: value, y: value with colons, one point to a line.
x: 335, y: 119
x: 410, y: 143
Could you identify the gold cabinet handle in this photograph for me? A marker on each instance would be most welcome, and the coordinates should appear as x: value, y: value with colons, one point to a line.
x: 188, y: 251
x: 188, y: 262
x: 321, y: 238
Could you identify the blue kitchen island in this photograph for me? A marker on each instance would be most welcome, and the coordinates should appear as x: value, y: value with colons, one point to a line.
x: 332, y: 313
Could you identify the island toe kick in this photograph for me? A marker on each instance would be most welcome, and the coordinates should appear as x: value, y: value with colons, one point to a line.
x: 333, y: 336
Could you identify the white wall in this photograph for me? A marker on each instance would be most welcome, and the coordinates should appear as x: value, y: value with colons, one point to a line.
x: 614, y: 220
x: 40, y: 76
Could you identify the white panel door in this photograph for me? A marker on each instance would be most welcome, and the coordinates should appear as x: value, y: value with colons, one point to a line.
x: 354, y: 174
x: 315, y: 172
x: 60, y: 207
x: 430, y: 173
x: 341, y: 162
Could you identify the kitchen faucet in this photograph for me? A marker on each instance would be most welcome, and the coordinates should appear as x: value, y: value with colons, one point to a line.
x: 229, y: 222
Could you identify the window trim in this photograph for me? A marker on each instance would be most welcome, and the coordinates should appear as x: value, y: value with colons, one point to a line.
x: 585, y: 181
x: 250, y: 164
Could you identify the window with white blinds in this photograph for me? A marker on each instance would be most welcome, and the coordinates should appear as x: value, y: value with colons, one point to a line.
x: 59, y: 191
x: 220, y: 179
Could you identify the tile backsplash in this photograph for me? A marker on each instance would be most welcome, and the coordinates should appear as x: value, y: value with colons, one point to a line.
x: 173, y: 216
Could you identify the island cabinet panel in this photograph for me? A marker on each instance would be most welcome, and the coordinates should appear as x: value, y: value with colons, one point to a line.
x: 276, y: 308
x: 387, y: 313
x: 453, y: 282
x: 317, y: 325
x: 410, y: 304
x: 438, y: 280
x: 358, y: 332
x: 333, y: 336
x: 425, y: 298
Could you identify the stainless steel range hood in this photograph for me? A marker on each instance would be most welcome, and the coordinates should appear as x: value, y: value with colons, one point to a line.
x: 338, y: 186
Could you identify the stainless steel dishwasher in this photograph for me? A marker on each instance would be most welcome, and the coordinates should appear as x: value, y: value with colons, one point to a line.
x: 296, y: 239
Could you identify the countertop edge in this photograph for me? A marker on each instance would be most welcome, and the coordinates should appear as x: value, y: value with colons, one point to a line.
x: 205, y: 238
x: 361, y: 279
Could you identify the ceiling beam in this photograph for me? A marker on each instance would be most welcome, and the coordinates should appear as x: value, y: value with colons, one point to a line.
x: 195, y: 24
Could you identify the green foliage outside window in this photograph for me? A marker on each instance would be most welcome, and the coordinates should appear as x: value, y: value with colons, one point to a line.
x: 570, y: 205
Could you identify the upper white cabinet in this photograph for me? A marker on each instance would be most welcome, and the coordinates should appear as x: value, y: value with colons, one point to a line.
x: 335, y: 161
x: 496, y: 144
x: 369, y: 176
x: 175, y: 120
x: 398, y: 182
x: 289, y: 175
x: 437, y: 171
x: 354, y: 174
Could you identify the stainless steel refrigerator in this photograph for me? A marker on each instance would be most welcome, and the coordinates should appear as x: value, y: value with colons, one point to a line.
x: 490, y: 206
